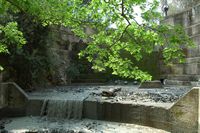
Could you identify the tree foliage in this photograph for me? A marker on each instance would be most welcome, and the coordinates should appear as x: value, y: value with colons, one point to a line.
x: 10, y: 36
x: 120, y: 26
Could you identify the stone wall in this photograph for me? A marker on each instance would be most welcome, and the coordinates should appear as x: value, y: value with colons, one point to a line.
x: 13, y: 100
x: 184, y: 114
x: 64, y: 43
x: 190, y: 70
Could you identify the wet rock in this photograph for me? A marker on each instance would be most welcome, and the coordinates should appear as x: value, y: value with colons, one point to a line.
x: 91, y: 126
x: 111, y: 92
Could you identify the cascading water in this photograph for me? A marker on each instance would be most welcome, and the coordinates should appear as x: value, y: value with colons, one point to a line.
x: 69, y: 109
x: 44, y: 107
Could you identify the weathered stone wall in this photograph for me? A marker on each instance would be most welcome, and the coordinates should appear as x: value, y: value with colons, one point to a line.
x: 190, y: 70
x: 182, y: 116
x: 13, y: 100
x: 185, y: 113
x: 63, y: 43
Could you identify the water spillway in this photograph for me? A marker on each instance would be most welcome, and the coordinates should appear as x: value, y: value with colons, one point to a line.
x: 63, y: 109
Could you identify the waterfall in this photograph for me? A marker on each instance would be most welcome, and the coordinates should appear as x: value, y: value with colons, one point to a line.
x: 69, y: 109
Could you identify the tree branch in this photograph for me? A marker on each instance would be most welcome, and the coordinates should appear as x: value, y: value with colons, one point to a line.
x: 123, y: 14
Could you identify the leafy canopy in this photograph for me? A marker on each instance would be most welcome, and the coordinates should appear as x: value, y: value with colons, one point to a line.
x: 118, y: 26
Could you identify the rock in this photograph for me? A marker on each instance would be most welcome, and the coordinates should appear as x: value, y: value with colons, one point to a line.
x: 135, y: 82
x: 111, y: 92
x: 125, y: 82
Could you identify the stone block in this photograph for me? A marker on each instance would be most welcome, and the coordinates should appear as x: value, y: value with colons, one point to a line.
x: 151, y: 84
x: 101, y: 111
x: 198, y: 68
x: 1, y: 77
x: 193, y: 52
x: 33, y: 107
x: 107, y: 111
x: 130, y: 113
x: 193, y: 60
x: 115, y: 112
x: 195, y: 31
x: 13, y: 99
x: 184, y: 113
x: 178, y: 69
x: 191, y: 68
x: 152, y: 113
x: 3, y: 95
x: 6, y: 112
x: 90, y: 109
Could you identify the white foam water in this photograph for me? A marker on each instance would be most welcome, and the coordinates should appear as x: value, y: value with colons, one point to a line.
x: 62, y: 109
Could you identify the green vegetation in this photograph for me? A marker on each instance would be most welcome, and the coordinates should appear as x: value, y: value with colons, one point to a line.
x: 10, y: 37
x: 117, y: 30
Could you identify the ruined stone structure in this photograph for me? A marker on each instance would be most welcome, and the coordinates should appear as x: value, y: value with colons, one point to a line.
x: 187, y: 14
x: 67, y: 46
x: 64, y: 43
